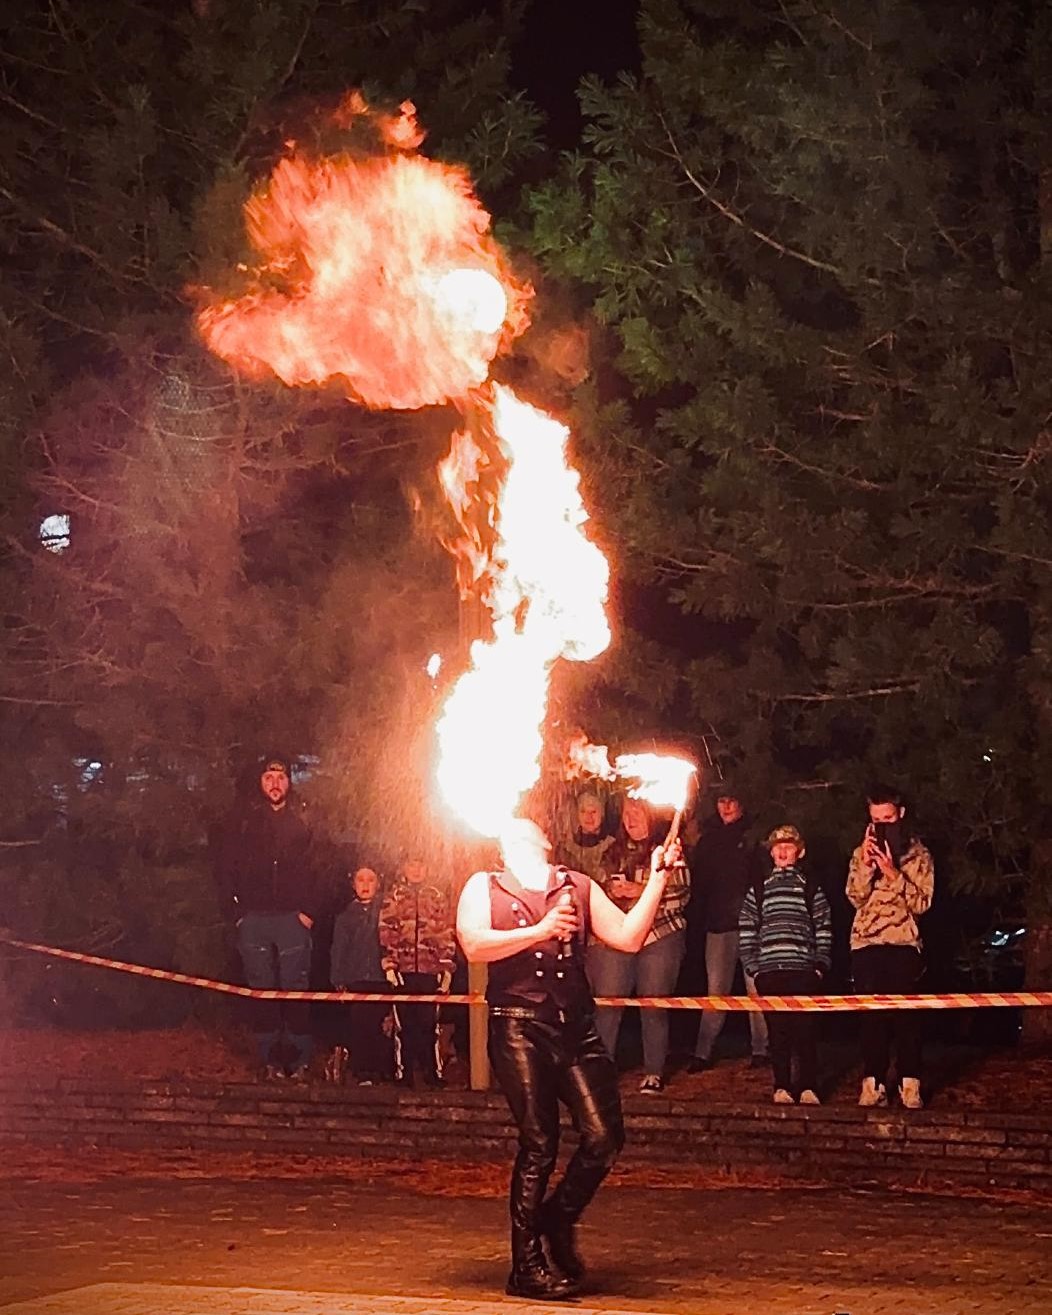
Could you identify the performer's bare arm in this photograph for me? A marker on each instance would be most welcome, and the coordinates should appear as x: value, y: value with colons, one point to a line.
x: 628, y: 931
x: 482, y: 944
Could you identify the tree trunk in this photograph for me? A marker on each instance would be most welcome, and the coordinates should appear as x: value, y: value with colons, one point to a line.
x: 1037, y: 947
x: 1037, y: 961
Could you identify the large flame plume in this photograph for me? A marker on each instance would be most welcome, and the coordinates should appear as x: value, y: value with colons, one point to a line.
x: 375, y: 272
x: 545, y: 585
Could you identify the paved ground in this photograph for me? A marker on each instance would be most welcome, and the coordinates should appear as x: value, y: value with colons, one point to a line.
x: 322, y: 1247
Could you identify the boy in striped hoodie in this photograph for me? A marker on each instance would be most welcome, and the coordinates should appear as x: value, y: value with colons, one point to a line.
x: 785, y: 942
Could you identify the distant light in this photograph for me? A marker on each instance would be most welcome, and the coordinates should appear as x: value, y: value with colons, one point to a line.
x: 54, y: 532
x: 434, y: 665
x: 90, y: 770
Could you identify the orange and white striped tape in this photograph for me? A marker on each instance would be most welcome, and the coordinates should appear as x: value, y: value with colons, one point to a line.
x: 718, y: 1003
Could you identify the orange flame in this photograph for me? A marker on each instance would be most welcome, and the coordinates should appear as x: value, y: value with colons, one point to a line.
x: 378, y: 273
x: 376, y: 270
x: 545, y: 587
x: 661, y: 780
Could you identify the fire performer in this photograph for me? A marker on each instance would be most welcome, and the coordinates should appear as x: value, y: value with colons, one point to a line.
x: 530, y: 923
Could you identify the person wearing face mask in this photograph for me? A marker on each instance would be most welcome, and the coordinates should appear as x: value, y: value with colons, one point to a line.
x: 654, y: 969
x: 890, y: 883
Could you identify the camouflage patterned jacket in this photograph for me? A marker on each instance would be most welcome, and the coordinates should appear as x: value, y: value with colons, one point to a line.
x: 887, y: 908
x: 416, y: 929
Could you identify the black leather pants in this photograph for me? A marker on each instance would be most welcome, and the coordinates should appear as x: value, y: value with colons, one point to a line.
x: 538, y: 1064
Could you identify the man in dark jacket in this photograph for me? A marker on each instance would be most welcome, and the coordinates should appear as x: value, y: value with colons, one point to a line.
x: 270, y: 887
x: 723, y: 868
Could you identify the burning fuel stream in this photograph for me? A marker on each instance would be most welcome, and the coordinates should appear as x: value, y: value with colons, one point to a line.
x: 375, y: 271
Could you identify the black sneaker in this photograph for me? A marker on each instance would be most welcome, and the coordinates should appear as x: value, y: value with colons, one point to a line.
x: 699, y: 1064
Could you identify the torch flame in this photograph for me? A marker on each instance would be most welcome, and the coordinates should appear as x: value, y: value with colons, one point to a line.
x: 663, y: 782
x: 660, y: 780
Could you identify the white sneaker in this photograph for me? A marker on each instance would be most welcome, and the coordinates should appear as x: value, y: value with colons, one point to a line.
x: 808, y: 1097
x: 783, y: 1097
x: 910, y: 1094
x: 872, y: 1094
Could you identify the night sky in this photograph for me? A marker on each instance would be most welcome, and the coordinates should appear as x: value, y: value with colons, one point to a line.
x: 566, y: 39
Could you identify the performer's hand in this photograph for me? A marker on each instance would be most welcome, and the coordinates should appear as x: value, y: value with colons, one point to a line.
x: 559, y: 923
x: 308, y: 922
x: 444, y: 982
x: 666, y: 856
x: 393, y: 976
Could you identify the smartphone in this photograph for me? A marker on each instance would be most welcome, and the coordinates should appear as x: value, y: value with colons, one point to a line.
x: 888, y: 835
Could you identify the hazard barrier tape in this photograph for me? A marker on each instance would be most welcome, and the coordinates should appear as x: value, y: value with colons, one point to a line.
x: 716, y: 1003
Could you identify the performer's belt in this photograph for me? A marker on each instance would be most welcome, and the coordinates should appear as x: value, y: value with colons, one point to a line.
x: 537, y: 1013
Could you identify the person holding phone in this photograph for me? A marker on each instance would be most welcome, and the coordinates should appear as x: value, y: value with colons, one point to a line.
x: 890, y: 883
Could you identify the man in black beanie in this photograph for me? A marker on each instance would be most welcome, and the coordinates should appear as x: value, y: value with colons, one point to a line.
x: 269, y: 886
x: 724, y: 865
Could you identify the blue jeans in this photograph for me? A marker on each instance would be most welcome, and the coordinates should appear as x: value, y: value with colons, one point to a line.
x: 275, y: 951
x: 721, y: 959
x: 653, y: 971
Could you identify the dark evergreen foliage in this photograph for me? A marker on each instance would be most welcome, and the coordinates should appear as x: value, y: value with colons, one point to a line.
x: 244, y: 570
x: 815, y: 241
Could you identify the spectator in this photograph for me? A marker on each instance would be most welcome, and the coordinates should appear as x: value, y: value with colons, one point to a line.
x: 269, y: 885
x: 890, y: 883
x: 726, y: 861
x: 786, y: 931
x: 585, y: 849
x: 416, y: 936
x: 653, y: 969
x: 356, y: 966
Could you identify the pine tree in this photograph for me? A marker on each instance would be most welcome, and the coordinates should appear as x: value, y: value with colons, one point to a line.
x: 243, y: 573
x: 813, y: 237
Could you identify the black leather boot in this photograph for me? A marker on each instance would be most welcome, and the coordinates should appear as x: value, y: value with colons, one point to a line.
x: 560, y: 1232
x: 538, y: 1283
x: 530, y: 1276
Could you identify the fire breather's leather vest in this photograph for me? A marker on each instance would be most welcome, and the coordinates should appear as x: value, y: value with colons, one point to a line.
x: 551, y: 973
